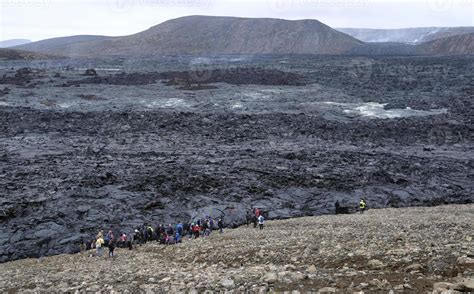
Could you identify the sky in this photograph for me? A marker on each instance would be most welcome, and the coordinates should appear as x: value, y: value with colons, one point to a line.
x: 41, y: 19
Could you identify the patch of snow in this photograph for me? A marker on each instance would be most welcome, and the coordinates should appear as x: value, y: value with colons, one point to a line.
x: 377, y: 110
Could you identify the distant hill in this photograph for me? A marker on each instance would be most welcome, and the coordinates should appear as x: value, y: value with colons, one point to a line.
x: 209, y: 35
x: 12, y: 54
x: 13, y: 42
x: 461, y: 44
x: 409, y: 35
x: 65, y: 46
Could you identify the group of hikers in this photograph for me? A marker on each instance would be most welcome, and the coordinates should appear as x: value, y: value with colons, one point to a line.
x: 255, y: 216
x: 174, y: 234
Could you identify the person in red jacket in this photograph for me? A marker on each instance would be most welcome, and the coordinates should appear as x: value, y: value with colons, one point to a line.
x: 196, y: 230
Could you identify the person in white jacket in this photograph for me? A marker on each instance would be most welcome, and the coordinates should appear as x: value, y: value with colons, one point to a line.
x: 261, y: 220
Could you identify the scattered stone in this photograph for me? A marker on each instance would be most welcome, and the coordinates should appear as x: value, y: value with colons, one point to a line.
x: 270, y: 278
x: 464, y: 260
x: 227, y: 283
x: 375, y: 264
x: 466, y: 285
x: 311, y: 269
x: 443, y: 286
x: 327, y: 290
x: 414, y: 267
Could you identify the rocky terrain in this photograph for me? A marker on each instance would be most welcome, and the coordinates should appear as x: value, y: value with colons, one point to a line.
x: 174, y: 138
x: 413, y: 250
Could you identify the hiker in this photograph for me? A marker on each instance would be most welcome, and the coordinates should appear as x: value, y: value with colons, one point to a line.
x: 190, y: 230
x: 150, y: 233
x: 89, y: 245
x: 220, y: 224
x: 170, y: 230
x: 255, y: 221
x: 111, y: 248
x: 98, y: 245
x: 144, y: 231
x: 362, y: 206
x: 257, y: 212
x: 177, y: 238
x: 211, y: 224
x: 337, y: 206
x: 196, y: 230
x: 179, y: 228
x: 248, y: 217
x: 108, y: 237
x: 261, y: 220
x: 163, y: 239
x: 205, y: 228
x: 122, y: 241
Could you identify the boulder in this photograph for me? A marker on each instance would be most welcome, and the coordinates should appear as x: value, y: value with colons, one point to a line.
x: 270, y: 278
x: 90, y: 72
x: 227, y: 283
x: 442, y: 287
x: 464, y: 260
x: 466, y: 285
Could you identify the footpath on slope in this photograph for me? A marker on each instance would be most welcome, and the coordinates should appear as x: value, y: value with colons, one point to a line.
x: 411, y: 250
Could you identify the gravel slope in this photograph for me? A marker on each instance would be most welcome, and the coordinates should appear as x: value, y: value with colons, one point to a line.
x: 407, y: 250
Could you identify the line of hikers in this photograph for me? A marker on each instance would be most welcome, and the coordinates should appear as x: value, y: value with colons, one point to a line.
x: 146, y: 233
x: 174, y: 234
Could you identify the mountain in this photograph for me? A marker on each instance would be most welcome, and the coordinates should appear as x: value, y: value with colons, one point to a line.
x: 409, y: 35
x: 13, y: 42
x: 209, y: 35
x: 64, y: 45
x: 12, y: 54
x: 461, y: 44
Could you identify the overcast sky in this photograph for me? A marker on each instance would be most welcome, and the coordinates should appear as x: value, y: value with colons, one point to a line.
x: 41, y: 19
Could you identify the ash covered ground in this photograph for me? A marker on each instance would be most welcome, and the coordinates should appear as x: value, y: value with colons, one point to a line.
x: 163, y: 140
